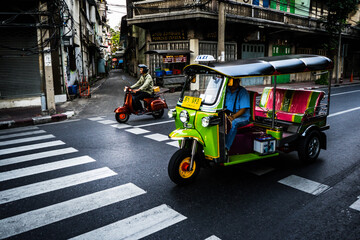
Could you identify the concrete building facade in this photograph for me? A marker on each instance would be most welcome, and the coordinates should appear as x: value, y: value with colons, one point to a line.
x: 239, y: 29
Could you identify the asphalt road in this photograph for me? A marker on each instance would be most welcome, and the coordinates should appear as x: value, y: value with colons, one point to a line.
x: 93, y: 178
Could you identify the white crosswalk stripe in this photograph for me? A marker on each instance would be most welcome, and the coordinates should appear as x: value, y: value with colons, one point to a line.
x: 21, y: 134
x: 137, y: 226
x: 157, y: 137
x: 106, y: 122
x: 37, y: 218
x: 34, y: 189
x: 356, y: 205
x: 304, y: 185
x: 24, y: 140
x: 35, y: 156
x: 20, y: 129
x: 133, y: 227
x: 31, y: 147
x: 23, y: 172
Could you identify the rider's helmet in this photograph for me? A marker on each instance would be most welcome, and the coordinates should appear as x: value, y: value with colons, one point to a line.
x: 144, y: 67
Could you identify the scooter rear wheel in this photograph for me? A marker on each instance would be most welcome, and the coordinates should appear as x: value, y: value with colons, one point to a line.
x: 122, y: 117
x: 158, y: 114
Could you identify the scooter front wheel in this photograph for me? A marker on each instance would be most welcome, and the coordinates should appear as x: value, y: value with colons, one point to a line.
x: 122, y: 117
x: 178, y: 168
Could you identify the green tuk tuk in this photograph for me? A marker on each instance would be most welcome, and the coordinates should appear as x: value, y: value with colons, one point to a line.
x: 282, y: 120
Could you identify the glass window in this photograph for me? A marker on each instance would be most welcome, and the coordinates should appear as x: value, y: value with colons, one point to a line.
x: 207, y: 87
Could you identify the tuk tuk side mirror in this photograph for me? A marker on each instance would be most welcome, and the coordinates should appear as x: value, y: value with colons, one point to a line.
x: 230, y: 82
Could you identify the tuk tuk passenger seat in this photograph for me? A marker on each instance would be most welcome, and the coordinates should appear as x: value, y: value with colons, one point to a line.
x: 290, y: 105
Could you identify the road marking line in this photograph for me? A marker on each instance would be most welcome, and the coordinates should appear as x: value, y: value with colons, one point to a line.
x: 21, y: 134
x: 31, y: 147
x: 173, y: 143
x: 137, y: 226
x: 356, y: 205
x: 34, y: 189
x: 121, y: 126
x: 137, y: 131
x: 24, y: 140
x: 342, y: 112
x: 23, y: 172
x: 336, y: 94
x: 157, y: 137
x: 21, y: 129
x: 38, y: 218
x: 304, y: 185
x: 96, y: 118
x: 61, y: 122
x: 156, y: 123
x: 107, y: 122
x: 213, y: 237
x: 35, y: 156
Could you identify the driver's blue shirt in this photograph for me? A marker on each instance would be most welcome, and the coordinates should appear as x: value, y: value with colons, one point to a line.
x: 234, y: 102
x: 243, y: 101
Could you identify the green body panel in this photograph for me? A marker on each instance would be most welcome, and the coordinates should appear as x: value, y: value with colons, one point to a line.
x: 312, y: 103
x: 235, y: 159
x: 208, y: 137
x: 186, y: 133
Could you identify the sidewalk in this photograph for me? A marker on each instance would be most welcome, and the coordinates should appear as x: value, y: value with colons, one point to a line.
x: 18, y: 117
x: 25, y: 116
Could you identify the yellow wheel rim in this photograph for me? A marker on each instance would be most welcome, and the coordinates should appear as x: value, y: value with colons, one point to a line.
x: 184, y: 166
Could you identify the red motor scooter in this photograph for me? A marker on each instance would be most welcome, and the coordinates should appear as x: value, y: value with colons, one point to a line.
x: 153, y: 105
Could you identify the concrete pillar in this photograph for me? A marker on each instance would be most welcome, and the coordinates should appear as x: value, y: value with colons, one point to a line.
x: 221, y: 32
x: 194, y: 46
x: 48, y: 73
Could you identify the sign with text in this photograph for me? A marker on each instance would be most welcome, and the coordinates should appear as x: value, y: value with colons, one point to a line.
x: 191, y: 102
x: 168, y: 36
x: 174, y: 59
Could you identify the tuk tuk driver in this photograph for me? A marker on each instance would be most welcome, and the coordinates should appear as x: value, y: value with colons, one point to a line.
x: 237, y: 101
x: 143, y: 88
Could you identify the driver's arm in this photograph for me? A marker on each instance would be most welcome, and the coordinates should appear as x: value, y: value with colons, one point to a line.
x: 237, y: 114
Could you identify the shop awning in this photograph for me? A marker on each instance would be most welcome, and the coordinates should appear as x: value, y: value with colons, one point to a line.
x: 169, y: 52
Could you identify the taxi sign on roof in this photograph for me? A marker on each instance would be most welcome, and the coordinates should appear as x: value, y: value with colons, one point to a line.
x: 204, y: 58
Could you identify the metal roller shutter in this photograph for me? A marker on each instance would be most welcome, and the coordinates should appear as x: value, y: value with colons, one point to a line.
x: 19, y: 74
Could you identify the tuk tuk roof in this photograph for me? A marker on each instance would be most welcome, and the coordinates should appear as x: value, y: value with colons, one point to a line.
x: 264, y: 66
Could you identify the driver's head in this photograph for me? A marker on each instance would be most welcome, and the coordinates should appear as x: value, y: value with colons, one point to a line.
x: 236, y: 84
x: 143, y: 68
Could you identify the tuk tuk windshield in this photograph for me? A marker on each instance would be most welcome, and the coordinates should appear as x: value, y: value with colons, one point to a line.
x: 206, y: 87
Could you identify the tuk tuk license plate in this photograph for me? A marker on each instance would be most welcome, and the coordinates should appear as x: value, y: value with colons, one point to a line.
x: 191, y: 102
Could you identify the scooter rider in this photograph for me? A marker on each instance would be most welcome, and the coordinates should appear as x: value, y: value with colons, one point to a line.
x: 143, y: 88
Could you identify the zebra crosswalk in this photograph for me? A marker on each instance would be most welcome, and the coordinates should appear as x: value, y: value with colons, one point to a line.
x: 35, y: 147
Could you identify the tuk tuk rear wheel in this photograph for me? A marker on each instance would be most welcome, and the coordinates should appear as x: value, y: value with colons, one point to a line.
x: 309, y: 147
x: 178, y: 168
x: 122, y: 117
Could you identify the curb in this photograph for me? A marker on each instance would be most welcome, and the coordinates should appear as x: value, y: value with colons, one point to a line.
x: 36, y: 120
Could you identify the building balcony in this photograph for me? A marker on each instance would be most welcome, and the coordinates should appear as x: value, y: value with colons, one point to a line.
x: 145, y: 12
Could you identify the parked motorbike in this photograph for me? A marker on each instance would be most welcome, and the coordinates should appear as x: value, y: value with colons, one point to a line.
x: 153, y: 105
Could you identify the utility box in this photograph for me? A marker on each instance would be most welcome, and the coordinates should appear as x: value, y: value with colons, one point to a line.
x: 265, y: 145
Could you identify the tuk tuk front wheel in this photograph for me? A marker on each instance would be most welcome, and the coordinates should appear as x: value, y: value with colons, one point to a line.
x: 122, y: 117
x: 179, y: 165
x: 309, y: 147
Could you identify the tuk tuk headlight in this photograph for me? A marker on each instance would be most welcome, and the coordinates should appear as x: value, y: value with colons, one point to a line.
x: 205, y: 121
x: 184, y: 116
x: 172, y: 113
